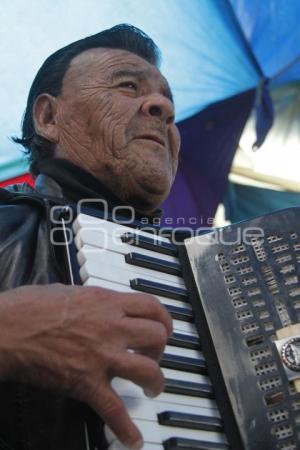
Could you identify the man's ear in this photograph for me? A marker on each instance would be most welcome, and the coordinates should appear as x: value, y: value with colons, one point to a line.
x: 45, y: 117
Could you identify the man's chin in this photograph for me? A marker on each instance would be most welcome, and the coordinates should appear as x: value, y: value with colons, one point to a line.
x: 149, y: 199
x: 143, y: 206
x: 147, y: 189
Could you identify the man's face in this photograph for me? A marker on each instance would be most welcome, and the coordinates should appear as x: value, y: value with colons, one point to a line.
x: 116, y: 119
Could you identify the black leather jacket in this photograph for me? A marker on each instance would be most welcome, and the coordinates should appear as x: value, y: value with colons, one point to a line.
x: 31, y: 418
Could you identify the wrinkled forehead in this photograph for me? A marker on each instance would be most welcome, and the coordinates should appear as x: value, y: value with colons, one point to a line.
x: 105, y: 64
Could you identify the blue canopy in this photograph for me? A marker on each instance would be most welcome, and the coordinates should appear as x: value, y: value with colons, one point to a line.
x: 264, y: 52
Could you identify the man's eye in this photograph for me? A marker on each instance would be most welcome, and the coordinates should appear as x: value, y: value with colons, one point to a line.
x: 128, y: 85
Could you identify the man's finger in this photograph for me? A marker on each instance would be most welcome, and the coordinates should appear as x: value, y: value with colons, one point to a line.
x: 145, y: 336
x: 140, y: 370
x: 112, y: 410
x: 148, y: 307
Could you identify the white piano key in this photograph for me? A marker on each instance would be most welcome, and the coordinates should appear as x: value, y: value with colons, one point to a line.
x: 184, y: 327
x: 178, y: 325
x: 95, y: 263
x: 181, y: 326
x: 155, y: 433
x: 185, y: 376
x: 102, y: 240
x: 113, y: 273
x: 148, y: 409
x: 186, y: 352
x: 126, y: 388
x: 115, y: 229
x: 187, y: 333
x: 91, y: 281
x: 116, y: 445
x: 115, y: 286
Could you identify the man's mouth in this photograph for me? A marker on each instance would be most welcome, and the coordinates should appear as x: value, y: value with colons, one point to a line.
x: 154, y: 138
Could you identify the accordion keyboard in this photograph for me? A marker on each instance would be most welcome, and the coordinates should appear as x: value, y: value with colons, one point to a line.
x: 185, y: 416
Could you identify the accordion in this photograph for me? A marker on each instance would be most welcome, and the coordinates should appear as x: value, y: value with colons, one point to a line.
x: 232, y: 365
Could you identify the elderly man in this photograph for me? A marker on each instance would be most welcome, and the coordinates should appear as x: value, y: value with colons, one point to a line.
x: 99, y: 123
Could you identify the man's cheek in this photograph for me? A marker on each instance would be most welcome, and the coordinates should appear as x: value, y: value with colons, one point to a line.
x: 174, y: 141
x: 100, y: 129
x: 175, y: 167
x: 120, y: 145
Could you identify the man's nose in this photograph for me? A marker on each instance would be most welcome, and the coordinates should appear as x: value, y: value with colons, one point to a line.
x: 157, y: 105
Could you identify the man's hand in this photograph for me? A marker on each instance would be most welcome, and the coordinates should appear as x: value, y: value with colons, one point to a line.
x: 76, y: 339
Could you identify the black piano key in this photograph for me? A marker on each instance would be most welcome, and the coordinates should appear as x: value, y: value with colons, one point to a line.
x: 175, y: 443
x: 180, y: 313
x: 184, y: 363
x: 165, y: 290
x: 182, y: 387
x: 149, y: 243
x: 161, y: 265
x: 184, y: 341
x: 193, y: 421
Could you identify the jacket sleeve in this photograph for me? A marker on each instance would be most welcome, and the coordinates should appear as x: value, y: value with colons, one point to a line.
x: 26, y: 254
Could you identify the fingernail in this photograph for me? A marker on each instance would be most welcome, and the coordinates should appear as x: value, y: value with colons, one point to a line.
x: 149, y: 393
x: 137, y: 445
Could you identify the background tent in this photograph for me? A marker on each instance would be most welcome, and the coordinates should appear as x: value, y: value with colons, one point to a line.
x: 270, y: 176
x: 221, y: 57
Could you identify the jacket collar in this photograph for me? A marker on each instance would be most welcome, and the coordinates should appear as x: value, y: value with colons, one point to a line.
x: 47, y: 186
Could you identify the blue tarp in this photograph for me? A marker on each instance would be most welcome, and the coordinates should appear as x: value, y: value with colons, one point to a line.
x: 267, y: 36
x: 271, y: 27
